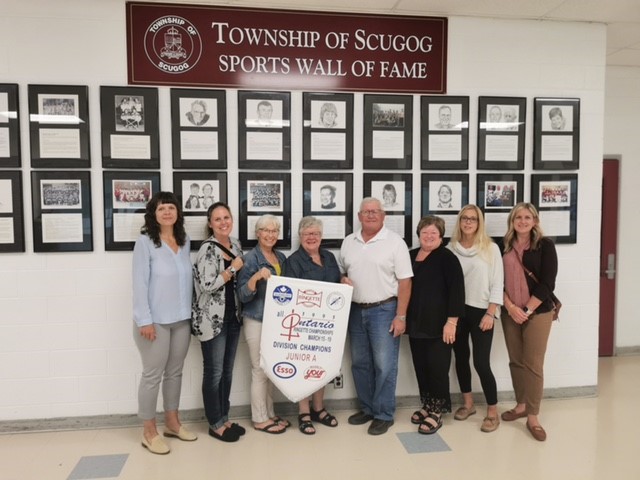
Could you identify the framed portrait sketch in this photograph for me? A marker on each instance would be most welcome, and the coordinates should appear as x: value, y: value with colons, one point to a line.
x: 327, y: 130
x: 501, y: 133
x: 126, y: 194
x: 497, y: 194
x: 61, y: 204
x: 11, y: 212
x: 556, y: 136
x: 264, y: 130
x: 264, y: 193
x: 329, y: 197
x: 59, y: 126
x: 9, y: 126
x: 556, y: 198
x: 444, y: 195
x: 130, y: 137
x: 395, y: 191
x: 444, y: 129
x: 196, y: 192
x: 199, y: 128
x: 388, y: 132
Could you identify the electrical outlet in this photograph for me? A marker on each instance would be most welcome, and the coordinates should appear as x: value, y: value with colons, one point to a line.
x: 338, y: 382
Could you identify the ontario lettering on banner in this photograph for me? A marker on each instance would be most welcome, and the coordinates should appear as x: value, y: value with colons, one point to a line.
x: 207, y: 46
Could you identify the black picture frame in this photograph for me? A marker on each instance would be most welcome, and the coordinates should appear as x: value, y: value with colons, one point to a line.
x: 59, y: 126
x: 329, y: 197
x: 496, y: 198
x: 388, y: 132
x: 264, y: 143
x: 11, y: 212
x: 126, y: 194
x: 444, y: 195
x: 211, y: 187
x: 199, y: 129
x: 130, y: 132
x: 9, y: 126
x: 327, y: 134
x: 556, y: 134
x: 444, y: 132
x: 262, y: 193
x: 61, y: 205
x: 395, y: 192
x: 555, y: 196
x: 501, y: 133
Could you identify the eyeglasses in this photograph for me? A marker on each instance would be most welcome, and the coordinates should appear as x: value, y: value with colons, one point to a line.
x: 367, y: 213
x: 464, y: 218
x: 311, y: 234
x: 269, y: 231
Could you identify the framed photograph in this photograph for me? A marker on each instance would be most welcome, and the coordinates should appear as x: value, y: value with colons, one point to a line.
x: 444, y: 195
x: 556, y: 136
x: 264, y: 130
x: 496, y: 195
x: 556, y: 198
x: 9, y: 126
x: 327, y: 130
x: 444, y: 133
x: 11, y: 212
x: 388, y: 132
x: 199, y: 128
x: 59, y: 126
x: 196, y: 192
x: 130, y: 133
x: 395, y: 191
x: 61, y: 203
x: 262, y: 193
x: 329, y: 197
x: 501, y: 133
x: 126, y: 194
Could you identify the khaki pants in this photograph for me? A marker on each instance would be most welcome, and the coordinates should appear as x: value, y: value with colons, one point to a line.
x: 527, y: 345
x: 261, y: 386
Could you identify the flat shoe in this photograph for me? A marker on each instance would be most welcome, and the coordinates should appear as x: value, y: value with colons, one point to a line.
x: 282, y: 421
x: 463, y: 413
x: 378, y: 427
x: 183, y: 434
x: 511, y: 415
x: 360, y: 418
x: 228, y: 435
x: 238, y: 428
x: 490, y: 424
x: 156, y: 445
x: 269, y: 428
x: 537, y: 432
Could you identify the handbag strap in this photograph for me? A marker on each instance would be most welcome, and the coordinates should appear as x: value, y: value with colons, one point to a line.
x: 528, y: 272
x: 221, y: 247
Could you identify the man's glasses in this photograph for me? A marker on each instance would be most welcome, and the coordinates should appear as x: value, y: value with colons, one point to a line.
x: 370, y: 213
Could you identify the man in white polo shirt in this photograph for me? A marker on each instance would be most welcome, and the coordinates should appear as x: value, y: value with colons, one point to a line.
x: 375, y: 261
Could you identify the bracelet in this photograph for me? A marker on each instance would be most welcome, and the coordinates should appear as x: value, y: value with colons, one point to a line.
x: 402, y: 317
x: 493, y: 316
x: 452, y: 323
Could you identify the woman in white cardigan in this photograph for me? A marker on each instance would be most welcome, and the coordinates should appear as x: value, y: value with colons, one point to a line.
x: 484, y: 284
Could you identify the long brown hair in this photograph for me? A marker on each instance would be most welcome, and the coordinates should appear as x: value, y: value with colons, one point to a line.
x: 151, y: 226
x: 536, y: 232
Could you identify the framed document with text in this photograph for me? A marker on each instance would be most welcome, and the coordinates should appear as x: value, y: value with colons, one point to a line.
x: 395, y: 191
x: 501, y: 133
x: 59, y: 126
x: 556, y: 198
x: 388, y: 132
x: 444, y: 195
x: 11, y: 212
x: 130, y: 134
x: 497, y: 194
x: 556, y: 136
x: 9, y: 126
x: 444, y: 133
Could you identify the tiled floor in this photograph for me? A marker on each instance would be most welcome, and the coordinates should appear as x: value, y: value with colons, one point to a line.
x: 589, y: 438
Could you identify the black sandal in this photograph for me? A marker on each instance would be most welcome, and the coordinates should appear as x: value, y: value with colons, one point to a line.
x: 327, y: 420
x: 432, y: 426
x: 419, y: 416
x: 305, y: 425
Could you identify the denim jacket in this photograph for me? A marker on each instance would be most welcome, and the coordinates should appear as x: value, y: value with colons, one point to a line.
x: 253, y: 302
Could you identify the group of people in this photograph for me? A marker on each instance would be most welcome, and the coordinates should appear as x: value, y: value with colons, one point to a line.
x: 442, y: 297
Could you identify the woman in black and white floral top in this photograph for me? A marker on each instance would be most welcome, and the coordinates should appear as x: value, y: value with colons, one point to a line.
x: 216, y: 319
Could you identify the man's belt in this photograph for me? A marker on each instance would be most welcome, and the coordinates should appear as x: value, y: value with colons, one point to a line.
x: 375, y: 304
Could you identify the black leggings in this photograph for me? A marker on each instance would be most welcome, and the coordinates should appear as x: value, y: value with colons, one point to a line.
x: 470, y: 325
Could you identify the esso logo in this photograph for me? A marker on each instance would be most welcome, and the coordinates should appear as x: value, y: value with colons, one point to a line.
x: 284, y: 370
x: 314, y: 373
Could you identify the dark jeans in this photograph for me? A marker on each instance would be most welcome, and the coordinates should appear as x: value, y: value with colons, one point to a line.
x: 469, y: 325
x: 431, y: 361
x: 218, y: 355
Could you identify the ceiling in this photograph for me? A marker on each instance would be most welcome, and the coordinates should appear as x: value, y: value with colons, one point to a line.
x: 622, y: 17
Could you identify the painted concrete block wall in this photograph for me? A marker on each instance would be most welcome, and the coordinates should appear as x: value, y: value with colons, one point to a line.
x: 66, y: 345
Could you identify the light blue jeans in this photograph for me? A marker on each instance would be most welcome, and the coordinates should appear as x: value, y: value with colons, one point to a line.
x: 374, y: 356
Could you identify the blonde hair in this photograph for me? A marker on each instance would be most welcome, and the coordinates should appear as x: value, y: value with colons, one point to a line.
x: 481, y: 240
x: 536, y: 232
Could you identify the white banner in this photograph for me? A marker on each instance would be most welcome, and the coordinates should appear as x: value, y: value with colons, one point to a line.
x: 304, y: 328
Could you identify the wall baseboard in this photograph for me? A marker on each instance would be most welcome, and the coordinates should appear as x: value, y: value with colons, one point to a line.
x: 244, y: 411
x: 624, y: 351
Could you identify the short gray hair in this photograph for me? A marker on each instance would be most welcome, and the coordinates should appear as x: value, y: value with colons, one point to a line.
x: 266, y: 220
x: 370, y: 200
x: 309, y: 222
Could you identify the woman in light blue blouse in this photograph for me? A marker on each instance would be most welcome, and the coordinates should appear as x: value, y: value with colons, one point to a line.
x: 162, y: 291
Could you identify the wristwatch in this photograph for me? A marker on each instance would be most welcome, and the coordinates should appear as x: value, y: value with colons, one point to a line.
x: 231, y: 270
x: 526, y: 311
